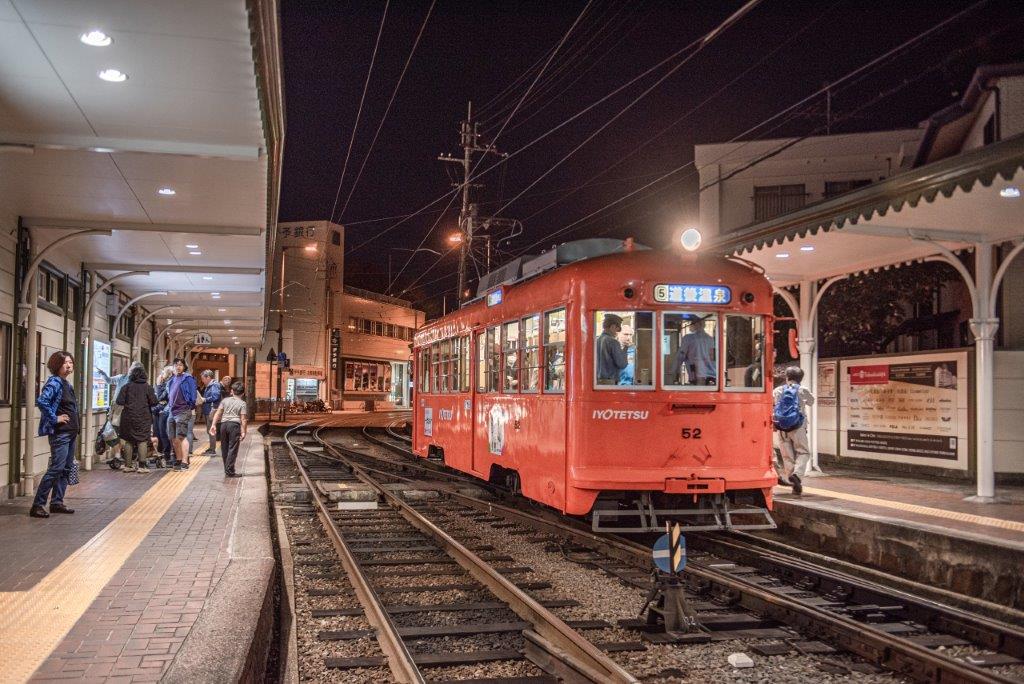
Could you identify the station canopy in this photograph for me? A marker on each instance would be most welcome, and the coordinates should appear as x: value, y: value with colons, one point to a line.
x: 179, y: 160
x: 956, y: 203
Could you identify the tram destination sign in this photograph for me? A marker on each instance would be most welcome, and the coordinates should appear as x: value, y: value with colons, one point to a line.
x: 687, y: 293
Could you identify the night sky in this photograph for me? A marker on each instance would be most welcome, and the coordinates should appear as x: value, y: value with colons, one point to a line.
x: 473, y: 51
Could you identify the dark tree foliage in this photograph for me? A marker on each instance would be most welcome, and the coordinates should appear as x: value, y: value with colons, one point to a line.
x: 857, y: 315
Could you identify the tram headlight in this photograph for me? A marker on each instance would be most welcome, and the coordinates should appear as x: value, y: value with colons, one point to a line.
x: 690, y: 239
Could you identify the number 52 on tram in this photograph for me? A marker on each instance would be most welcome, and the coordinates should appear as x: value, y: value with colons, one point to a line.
x: 607, y: 380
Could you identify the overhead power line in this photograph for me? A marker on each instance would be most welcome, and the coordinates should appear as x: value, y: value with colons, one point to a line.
x: 359, y: 111
x: 387, y: 109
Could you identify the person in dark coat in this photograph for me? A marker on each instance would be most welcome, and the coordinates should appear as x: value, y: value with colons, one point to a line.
x: 136, y: 428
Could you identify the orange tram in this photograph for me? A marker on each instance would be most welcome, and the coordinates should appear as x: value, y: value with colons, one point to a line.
x: 606, y: 379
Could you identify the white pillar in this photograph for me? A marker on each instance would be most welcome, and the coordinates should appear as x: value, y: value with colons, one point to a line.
x: 984, y: 330
x: 806, y: 342
x: 31, y: 364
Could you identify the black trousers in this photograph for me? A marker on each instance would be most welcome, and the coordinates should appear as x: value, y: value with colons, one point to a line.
x: 230, y: 438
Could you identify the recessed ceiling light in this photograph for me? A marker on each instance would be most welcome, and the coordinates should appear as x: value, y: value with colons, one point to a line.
x: 782, y: 255
x: 177, y: 330
x: 103, y: 150
x: 191, y: 246
x: 231, y: 330
x: 96, y: 38
x: 1010, y: 192
x: 216, y: 296
x: 807, y: 248
x: 221, y: 309
x: 167, y: 191
x: 226, y: 322
x: 196, y: 252
x: 207, y: 277
x: 113, y: 76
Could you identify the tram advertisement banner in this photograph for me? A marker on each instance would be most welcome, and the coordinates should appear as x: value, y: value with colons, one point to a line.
x: 909, y: 407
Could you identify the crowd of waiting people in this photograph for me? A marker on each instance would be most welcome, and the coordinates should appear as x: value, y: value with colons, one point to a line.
x: 148, y: 426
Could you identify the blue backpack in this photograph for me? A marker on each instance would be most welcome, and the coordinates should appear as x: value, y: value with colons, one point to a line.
x: 787, y: 415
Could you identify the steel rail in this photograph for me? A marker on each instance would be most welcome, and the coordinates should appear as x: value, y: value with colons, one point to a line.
x: 400, y: 660
x: 890, y: 651
x: 569, y: 654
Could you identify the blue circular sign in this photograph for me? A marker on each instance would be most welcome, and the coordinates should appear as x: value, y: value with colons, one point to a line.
x: 661, y: 550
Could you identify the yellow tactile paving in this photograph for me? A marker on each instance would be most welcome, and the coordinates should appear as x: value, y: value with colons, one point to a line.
x: 33, y: 622
x: 921, y: 510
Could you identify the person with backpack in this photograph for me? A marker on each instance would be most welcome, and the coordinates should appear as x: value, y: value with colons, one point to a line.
x: 182, y: 395
x: 789, y: 420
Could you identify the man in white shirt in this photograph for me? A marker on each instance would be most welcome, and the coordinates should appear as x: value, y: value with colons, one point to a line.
x: 793, y: 444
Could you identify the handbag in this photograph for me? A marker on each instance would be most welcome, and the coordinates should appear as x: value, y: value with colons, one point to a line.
x: 100, y: 445
x: 73, y: 472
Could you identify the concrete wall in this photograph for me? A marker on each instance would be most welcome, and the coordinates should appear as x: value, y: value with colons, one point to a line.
x: 1009, y: 412
x: 729, y: 205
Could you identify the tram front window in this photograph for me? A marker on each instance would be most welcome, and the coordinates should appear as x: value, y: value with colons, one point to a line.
x: 623, y: 351
x: 689, y: 351
x: 744, y: 353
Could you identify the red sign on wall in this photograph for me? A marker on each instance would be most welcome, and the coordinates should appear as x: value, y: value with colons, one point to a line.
x: 869, y: 375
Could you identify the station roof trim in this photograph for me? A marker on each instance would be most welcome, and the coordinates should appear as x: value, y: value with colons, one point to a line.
x: 887, y: 224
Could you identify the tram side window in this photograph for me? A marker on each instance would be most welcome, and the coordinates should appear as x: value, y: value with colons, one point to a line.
x: 689, y: 350
x: 530, y: 374
x: 554, y: 351
x: 423, y: 368
x: 744, y: 353
x: 481, y: 362
x: 510, y: 357
x: 435, y: 367
x: 446, y: 365
x: 493, y: 358
x: 464, y: 370
x: 624, y: 349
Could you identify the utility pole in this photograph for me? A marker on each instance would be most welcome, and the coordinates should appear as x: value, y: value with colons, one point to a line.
x: 470, y: 143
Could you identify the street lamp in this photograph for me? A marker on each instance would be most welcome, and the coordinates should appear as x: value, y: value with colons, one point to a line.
x: 455, y: 239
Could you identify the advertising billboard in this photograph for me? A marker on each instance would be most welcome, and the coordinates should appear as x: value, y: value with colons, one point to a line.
x: 100, y: 374
x: 907, y: 408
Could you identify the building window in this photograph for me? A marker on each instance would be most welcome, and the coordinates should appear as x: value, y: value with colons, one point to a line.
x: 379, y: 328
x: 336, y: 238
x: 51, y: 288
x: 6, y: 336
x: 367, y: 376
x: 773, y: 200
x: 833, y: 188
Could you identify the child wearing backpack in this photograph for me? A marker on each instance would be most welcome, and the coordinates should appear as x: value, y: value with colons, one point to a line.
x: 790, y: 423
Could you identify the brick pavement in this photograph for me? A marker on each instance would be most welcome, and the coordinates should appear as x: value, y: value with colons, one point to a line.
x: 135, y: 626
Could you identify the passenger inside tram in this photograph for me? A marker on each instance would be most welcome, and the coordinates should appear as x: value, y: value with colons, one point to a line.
x: 690, y: 350
x: 623, y: 351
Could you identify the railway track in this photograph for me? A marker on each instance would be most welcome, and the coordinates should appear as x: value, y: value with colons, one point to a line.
x: 898, y: 631
x: 383, y: 548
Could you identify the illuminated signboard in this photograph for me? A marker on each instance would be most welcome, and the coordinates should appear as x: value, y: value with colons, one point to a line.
x: 692, y: 294
x: 494, y: 298
x: 100, y: 373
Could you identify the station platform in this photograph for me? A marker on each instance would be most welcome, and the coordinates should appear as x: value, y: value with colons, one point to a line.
x: 923, y: 530
x: 162, y: 576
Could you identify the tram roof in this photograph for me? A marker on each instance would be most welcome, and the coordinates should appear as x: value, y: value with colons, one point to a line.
x: 954, y: 202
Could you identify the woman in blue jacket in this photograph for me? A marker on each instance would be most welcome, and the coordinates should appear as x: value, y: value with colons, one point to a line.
x: 58, y: 420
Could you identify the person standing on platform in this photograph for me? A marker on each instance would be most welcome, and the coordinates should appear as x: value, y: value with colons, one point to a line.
x: 181, y: 395
x: 611, y: 357
x: 136, y: 430
x: 160, y: 414
x: 231, y: 417
x: 58, y: 420
x: 211, y: 400
x: 789, y: 418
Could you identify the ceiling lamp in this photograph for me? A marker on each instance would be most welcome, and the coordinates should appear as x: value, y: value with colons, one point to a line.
x: 207, y: 277
x: 167, y: 192
x: 96, y: 38
x: 1010, y: 192
x: 113, y: 76
x: 807, y: 248
x: 782, y: 255
x: 191, y: 246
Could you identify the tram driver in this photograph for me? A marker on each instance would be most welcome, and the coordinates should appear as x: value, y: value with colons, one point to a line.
x: 696, y: 357
x: 612, y: 358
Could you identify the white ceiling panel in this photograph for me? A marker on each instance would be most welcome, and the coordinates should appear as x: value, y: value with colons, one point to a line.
x: 191, y: 94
